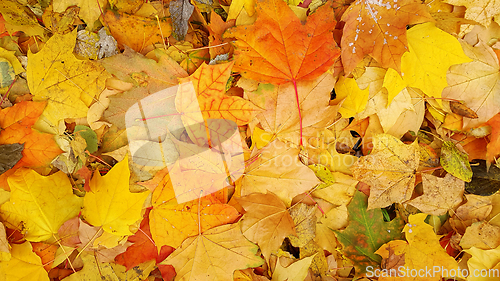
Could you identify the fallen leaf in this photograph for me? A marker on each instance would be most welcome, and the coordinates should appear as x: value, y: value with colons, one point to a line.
x: 455, y: 161
x: 365, y: 233
x: 433, y: 51
x: 298, y: 60
x: 256, y: 59
x: 24, y: 265
x: 10, y: 154
x: 89, y: 10
x: 5, y: 254
x: 278, y: 170
x: 478, y: 11
x: 266, y: 221
x: 217, y: 27
x: 93, y: 270
x: 171, y: 223
x: 440, y: 194
x: 137, y: 32
x: 355, y: 99
x: 477, y: 208
x: 46, y: 252
x: 143, y: 249
x: 110, y: 204
x: 483, y: 261
x: 68, y: 84
x: 147, y: 75
x: 480, y: 77
x: 421, y: 252
x: 180, y: 11
x: 482, y: 235
x: 389, y: 170
x: 209, y: 82
x: 278, y: 100
x: 37, y: 210
x: 305, y: 224
x: 378, y: 28
x: 296, y: 271
x: 214, y: 255
x: 20, y: 18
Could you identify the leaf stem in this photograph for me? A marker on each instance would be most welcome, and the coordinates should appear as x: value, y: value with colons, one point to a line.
x: 298, y: 107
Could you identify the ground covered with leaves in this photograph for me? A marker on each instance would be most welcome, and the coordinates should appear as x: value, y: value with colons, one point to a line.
x: 249, y: 140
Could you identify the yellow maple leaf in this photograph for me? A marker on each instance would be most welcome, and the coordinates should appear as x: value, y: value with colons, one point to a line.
x: 110, y: 203
x: 39, y: 205
x: 214, y: 255
x: 355, y: 98
x: 389, y: 169
x: 24, y: 265
x: 484, y: 262
x: 92, y: 270
x: 431, y: 52
x: 90, y: 10
x: 296, y: 271
x: 279, y: 171
x: 238, y: 5
x: 69, y: 84
x: 440, y: 194
x: 481, y: 11
x: 477, y: 83
x: 424, y: 258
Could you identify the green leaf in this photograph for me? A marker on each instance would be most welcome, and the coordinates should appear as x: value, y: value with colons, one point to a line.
x: 455, y: 162
x: 367, y: 232
x: 89, y: 136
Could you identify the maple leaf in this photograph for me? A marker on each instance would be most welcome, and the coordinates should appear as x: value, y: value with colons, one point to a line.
x: 148, y: 76
x: 110, y: 204
x: 270, y: 173
x: 477, y: 83
x: 24, y: 265
x: 171, y: 223
x: 296, y: 271
x: 434, y: 51
x: 277, y: 100
x: 481, y: 11
x: 137, y: 32
x: 389, y: 169
x: 483, y: 261
x: 421, y: 252
x: 38, y: 211
x: 89, y: 10
x: 214, y: 255
x: 440, y: 194
x: 39, y: 149
x: 266, y: 221
x: 355, y: 99
x: 209, y: 82
x: 278, y: 49
x: 217, y: 27
x: 94, y: 270
x: 365, y: 233
x: 378, y: 28
x: 143, y: 249
x: 67, y: 83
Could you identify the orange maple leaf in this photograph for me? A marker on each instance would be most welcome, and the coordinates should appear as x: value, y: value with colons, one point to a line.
x: 279, y: 49
x: 39, y: 148
x: 378, y: 28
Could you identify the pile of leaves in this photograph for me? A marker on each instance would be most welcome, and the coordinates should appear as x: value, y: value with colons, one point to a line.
x: 249, y: 140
